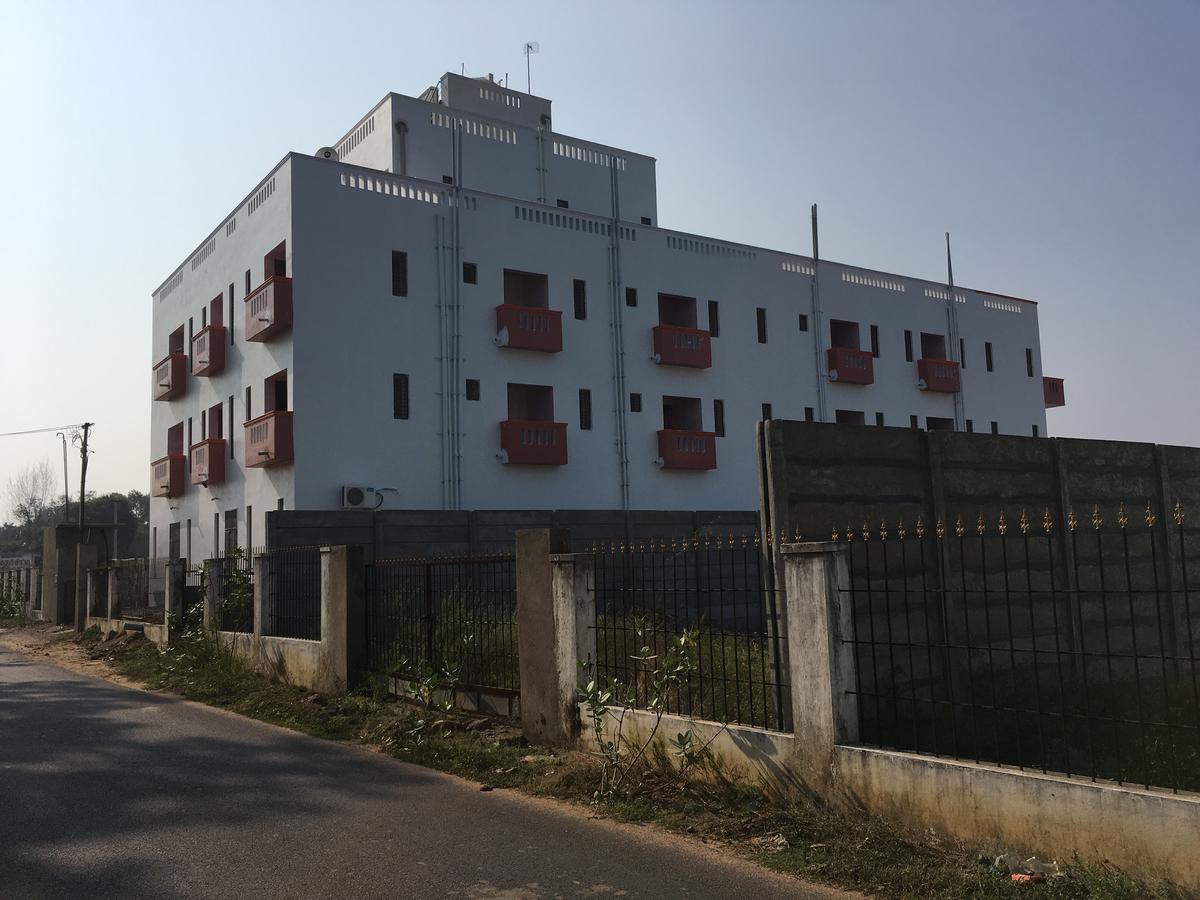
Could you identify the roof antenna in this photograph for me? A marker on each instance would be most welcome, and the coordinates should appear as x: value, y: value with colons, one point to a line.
x: 531, y: 47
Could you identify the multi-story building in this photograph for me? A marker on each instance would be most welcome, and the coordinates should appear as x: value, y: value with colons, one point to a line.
x: 461, y: 308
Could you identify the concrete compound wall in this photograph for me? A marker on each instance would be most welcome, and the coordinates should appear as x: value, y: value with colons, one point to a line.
x: 1152, y: 833
x: 402, y: 533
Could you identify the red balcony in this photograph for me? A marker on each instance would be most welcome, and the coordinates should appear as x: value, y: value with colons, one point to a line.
x: 938, y: 375
x: 208, y: 350
x: 166, y: 476
x: 208, y: 462
x: 1052, y: 391
x: 533, y: 443
x: 678, y: 346
x: 687, y: 449
x: 529, y: 328
x: 269, y: 309
x: 848, y: 366
x: 269, y: 440
x: 170, y: 377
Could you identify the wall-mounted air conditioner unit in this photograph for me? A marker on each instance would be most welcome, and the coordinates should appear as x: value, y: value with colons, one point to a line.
x: 355, y: 496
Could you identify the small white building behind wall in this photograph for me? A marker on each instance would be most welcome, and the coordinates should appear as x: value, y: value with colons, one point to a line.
x: 461, y: 308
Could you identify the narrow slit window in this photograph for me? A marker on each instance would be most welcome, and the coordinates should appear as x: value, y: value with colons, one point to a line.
x: 470, y: 273
x: 472, y: 391
x: 630, y: 296
x: 875, y: 341
x: 962, y: 353
x: 719, y: 417
x: 399, y: 396
x: 987, y: 355
x: 714, y: 318
x: 1029, y: 364
x: 908, y: 346
x: 635, y: 402
x: 580, y: 289
x: 585, y: 409
x: 803, y: 322
x: 808, y: 414
x: 760, y: 315
x: 399, y: 273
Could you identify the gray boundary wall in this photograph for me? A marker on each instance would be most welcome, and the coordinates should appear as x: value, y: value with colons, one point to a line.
x: 814, y: 476
x: 1149, y: 832
x: 401, y: 533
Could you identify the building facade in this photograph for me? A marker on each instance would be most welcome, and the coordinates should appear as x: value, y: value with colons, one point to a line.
x: 456, y: 307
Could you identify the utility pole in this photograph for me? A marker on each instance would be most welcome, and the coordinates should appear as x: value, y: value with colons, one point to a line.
x: 531, y: 47
x: 66, y: 515
x: 83, y: 453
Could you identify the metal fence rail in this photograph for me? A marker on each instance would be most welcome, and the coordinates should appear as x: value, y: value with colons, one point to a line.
x: 130, y: 592
x: 294, y: 593
x: 234, y: 576
x: 453, y: 615
x: 722, y: 588
x: 1011, y: 643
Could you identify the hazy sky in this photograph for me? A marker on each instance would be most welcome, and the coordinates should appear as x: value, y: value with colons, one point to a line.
x: 1058, y: 141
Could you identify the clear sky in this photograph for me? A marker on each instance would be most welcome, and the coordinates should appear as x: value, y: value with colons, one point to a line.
x: 1058, y: 141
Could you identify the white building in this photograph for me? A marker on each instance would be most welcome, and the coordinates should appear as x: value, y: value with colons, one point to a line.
x: 464, y: 309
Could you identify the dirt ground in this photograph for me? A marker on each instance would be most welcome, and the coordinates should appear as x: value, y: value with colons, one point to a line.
x: 55, y: 644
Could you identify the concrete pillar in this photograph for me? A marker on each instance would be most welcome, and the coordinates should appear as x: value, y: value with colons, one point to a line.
x: 87, y: 556
x: 821, y: 664
x: 214, y: 571
x: 555, y: 632
x: 92, y: 593
x: 173, y: 602
x: 343, y: 616
x: 262, y: 612
x: 110, y: 598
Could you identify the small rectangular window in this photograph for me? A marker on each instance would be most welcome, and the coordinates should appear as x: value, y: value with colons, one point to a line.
x: 247, y: 409
x: 635, y: 402
x: 760, y: 315
x: 232, y: 317
x: 714, y: 319
x: 970, y: 426
x: 472, y: 388
x: 630, y: 296
x: 1029, y: 363
x: 808, y: 414
x: 1035, y: 431
x: 987, y: 355
x: 914, y: 422
x: 580, y: 298
x: 585, y: 409
x: 646, y: 220
x: 995, y: 428
x: 399, y: 396
x: 470, y: 273
x: 399, y: 273
x: 766, y: 412
x: 962, y: 353
x: 247, y: 283
x: 908, y: 346
x: 719, y: 418
x: 230, y: 428
x: 563, y: 204
x: 447, y: 179
x: 879, y: 417
x: 875, y: 341
x: 803, y: 322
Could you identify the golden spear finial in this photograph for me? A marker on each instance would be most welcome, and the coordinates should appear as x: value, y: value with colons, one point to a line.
x: 920, y: 527
x: 1072, y: 520
x: 883, y: 532
x: 1002, y: 524
x: 1178, y: 511
x: 1149, y: 518
x: 1023, y: 522
x: 1122, y: 515
x: 959, y: 528
x: 1097, y: 519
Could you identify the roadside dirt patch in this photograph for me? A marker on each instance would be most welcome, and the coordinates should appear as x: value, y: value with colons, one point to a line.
x: 56, y: 644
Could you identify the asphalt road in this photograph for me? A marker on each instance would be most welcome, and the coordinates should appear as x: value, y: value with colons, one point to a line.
x: 111, y: 792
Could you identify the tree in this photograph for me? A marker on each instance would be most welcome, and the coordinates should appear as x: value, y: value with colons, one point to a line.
x: 29, y: 492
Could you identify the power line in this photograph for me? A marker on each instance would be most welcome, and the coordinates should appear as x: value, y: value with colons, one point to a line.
x: 41, y: 430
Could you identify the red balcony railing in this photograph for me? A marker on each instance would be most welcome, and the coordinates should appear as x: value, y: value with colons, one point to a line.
x: 677, y: 346
x: 269, y: 440
x: 938, y: 375
x: 208, y: 350
x: 166, y: 476
x: 534, y: 443
x: 687, y: 449
x: 529, y: 328
x: 208, y: 461
x: 170, y: 377
x: 269, y: 309
x: 849, y: 366
x: 1052, y: 391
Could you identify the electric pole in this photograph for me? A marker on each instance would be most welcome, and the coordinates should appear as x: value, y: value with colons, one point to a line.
x: 83, y: 453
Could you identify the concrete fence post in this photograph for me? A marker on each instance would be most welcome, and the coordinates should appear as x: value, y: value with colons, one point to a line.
x: 111, y: 596
x: 821, y: 664
x: 342, y: 616
x: 214, y: 576
x: 263, y: 624
x: 555, y: 619
x: 92, y: 590
x: 87, y: 557
x: 173, y: 598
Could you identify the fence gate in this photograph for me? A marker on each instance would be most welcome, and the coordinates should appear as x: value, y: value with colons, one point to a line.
x: 446, y: 616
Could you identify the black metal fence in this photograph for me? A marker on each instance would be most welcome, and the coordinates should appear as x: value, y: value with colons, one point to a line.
x: 722, y: 591
x: 234, y: 590
x: 444, y: 615
x: 1070, y: 650
x: 294, y: 593
x: 130, y: 590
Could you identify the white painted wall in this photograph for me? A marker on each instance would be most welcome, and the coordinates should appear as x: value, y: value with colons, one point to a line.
x: 343, y: 221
